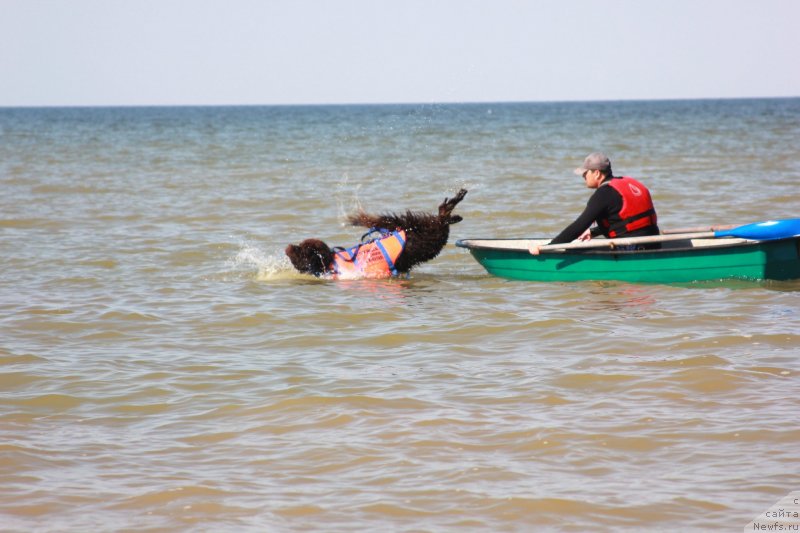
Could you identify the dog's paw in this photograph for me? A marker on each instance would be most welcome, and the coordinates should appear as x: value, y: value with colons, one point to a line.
x: 446, y: 207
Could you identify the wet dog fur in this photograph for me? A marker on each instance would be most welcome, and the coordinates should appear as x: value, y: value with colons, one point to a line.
x: 426, y: 235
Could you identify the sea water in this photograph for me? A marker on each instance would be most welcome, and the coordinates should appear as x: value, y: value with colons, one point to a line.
x: 162, y: 366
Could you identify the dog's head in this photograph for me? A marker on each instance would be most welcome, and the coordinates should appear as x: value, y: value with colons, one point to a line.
x: 312, y: 256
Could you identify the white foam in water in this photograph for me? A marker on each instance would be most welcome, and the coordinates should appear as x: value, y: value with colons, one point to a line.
x: 267, y: 266
x: 275, y: 266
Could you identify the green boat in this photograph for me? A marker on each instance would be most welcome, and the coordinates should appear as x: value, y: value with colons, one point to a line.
x: 683, y: 257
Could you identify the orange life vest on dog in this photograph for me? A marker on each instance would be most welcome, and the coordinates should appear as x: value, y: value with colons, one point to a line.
x: 371, y: 259
x: 637, y: 208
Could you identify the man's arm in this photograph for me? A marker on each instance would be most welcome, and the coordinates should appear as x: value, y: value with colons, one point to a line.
x: 596, y: 208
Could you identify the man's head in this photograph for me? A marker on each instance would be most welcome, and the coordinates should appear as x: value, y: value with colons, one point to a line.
x: 595, y: 161
x: 595, y: 170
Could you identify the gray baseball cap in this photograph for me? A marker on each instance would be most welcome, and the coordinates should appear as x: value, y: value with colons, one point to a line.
x: 594, y: 161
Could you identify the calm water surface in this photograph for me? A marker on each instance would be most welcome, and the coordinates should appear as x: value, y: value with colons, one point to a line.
x: 163, y: 368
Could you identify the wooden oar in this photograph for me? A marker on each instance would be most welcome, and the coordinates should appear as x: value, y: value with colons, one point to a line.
x: 697, y: 229
x: 627, y: 241
x: 758, y: 231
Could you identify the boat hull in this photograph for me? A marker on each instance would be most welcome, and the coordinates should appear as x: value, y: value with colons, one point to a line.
x: 742, y: 259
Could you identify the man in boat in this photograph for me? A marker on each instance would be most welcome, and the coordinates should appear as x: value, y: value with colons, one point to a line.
x: 619, y: 206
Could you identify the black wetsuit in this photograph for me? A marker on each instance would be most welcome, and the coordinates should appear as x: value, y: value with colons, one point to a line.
x: 604, y: 204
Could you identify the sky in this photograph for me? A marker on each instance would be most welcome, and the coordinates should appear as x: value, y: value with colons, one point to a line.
x: 264, y: 52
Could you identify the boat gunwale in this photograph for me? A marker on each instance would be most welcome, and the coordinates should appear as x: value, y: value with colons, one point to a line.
x: 604, y: 251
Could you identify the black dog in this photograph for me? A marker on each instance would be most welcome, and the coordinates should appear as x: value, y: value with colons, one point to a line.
x: 404, y: 241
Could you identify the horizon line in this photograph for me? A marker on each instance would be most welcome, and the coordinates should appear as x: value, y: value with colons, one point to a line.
x: 429, y: 103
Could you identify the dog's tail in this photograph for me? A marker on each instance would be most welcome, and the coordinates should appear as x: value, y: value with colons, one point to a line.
x: 373, y: 221
x: 446, y: 208
x: 410, y: 219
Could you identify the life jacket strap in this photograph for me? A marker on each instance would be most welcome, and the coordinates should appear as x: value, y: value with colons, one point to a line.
x: 628, y: 223
x: 382, y: 232
x: 386, y: 256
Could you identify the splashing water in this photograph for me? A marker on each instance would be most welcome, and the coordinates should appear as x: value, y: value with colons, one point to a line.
x: 343, y: 196
x: 267, y: 266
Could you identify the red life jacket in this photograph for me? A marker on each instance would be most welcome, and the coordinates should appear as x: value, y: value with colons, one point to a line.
x: 372, y: 259
x: 637, y: 208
